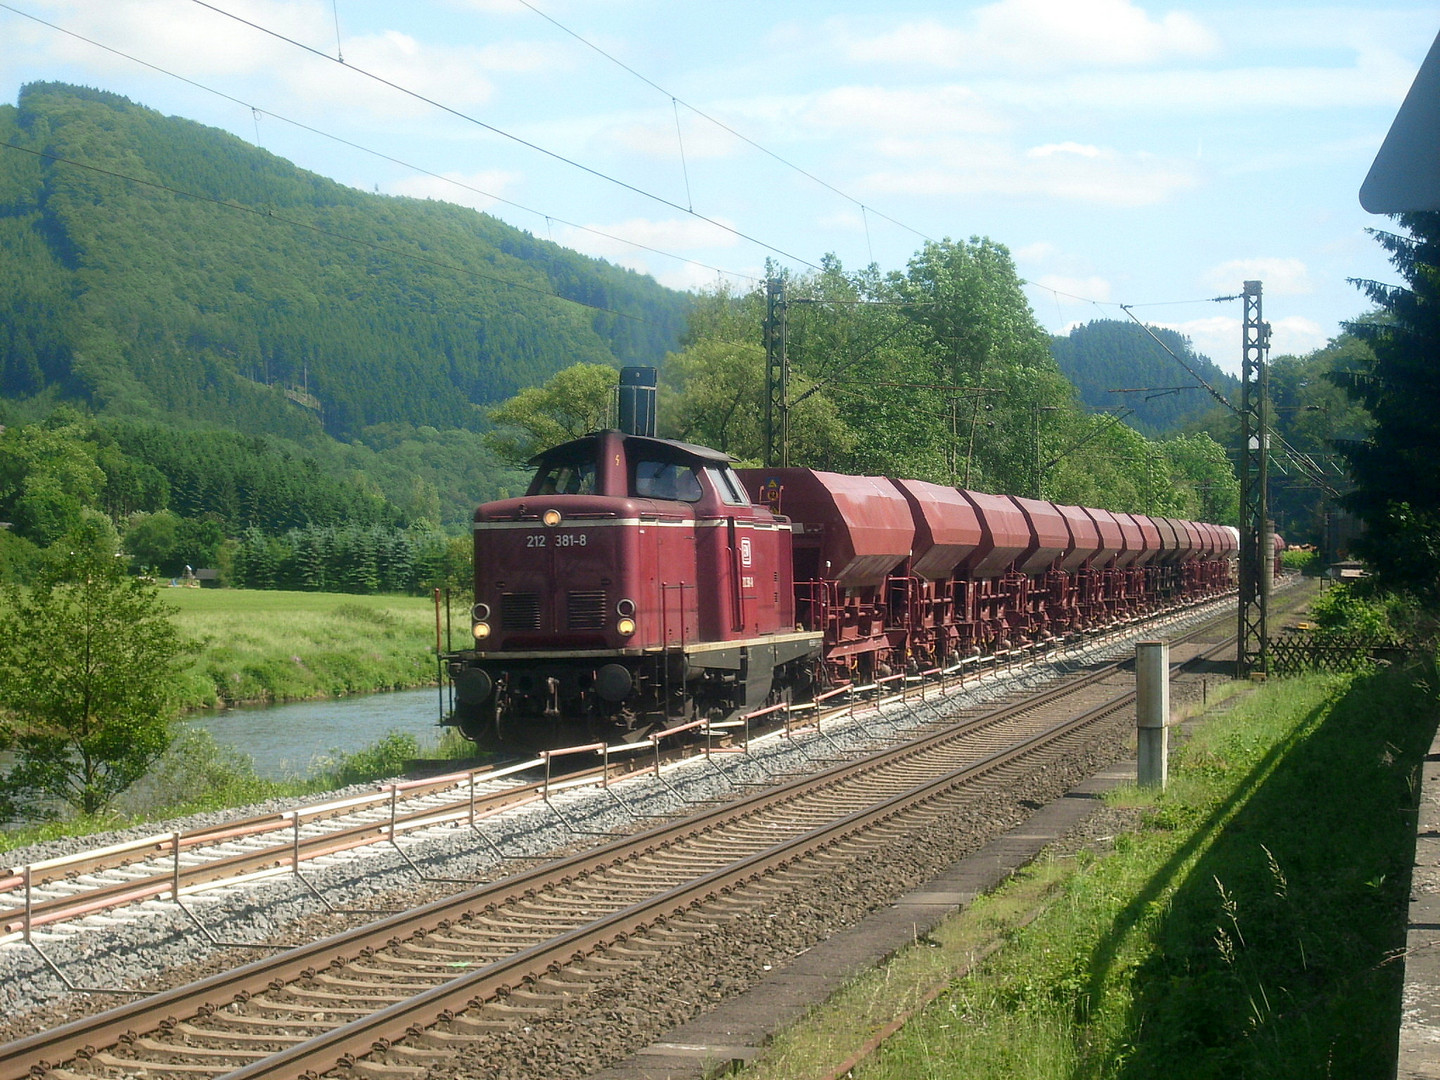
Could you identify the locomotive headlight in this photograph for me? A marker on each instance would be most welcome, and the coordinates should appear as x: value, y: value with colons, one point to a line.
x: 551, y: 518
x: 481, y: 630
x: 625, y: 627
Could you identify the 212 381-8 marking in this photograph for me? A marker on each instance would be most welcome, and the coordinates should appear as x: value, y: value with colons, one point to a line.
x: 562, y: 540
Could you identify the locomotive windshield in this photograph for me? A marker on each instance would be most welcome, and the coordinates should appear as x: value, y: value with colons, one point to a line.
x: 666, y: 480
x: 565, y: 478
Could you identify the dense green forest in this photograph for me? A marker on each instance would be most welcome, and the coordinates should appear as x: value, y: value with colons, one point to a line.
x: 161, y: 271
x: 1107, y: 356
x: 1313, y: 422
x: 144, y: 300
x: 249, y: 507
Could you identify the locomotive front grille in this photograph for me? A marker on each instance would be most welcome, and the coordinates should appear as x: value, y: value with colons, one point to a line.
x: 520, y: 611
x: 586, y: 610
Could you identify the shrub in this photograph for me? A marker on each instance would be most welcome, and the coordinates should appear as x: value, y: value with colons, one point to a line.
x: 384, y: 758
x: 1342, y: 609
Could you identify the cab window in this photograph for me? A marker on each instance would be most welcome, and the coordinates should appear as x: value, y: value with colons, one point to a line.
x: 565, y: 478
x: 728, y: 485
x: 666, y: 480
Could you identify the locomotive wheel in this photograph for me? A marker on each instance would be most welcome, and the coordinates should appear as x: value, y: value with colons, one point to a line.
x: 479, y: 727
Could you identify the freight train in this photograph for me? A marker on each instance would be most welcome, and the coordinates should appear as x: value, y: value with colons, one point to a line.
x: 641, y: 582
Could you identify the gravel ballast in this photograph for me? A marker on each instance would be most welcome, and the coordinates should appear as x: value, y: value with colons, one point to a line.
x: 155, y: 945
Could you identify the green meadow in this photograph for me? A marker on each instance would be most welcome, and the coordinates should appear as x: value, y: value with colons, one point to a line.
x: 267, y: 645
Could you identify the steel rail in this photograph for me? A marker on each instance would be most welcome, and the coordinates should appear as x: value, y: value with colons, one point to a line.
x: 285, y: 856
x: 82, y: 1036
x: 341, y: 1046
x: 281, y: 858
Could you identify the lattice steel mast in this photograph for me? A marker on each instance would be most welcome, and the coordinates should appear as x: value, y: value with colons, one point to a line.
x: 777, y: 377
x: 1257, y: 553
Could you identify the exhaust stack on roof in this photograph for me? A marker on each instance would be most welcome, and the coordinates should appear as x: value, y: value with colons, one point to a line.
x: 637, y: 400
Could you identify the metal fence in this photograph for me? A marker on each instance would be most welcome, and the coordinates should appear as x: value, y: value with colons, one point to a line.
x: 1297, y: 651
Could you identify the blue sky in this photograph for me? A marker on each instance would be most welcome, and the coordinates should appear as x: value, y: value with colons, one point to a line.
x: 1149, y: 154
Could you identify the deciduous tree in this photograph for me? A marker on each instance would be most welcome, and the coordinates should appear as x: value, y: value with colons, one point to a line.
x: 574, y: 402
x: 88, y: 662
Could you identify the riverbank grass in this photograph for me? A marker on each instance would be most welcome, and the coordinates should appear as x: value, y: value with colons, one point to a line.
x: 269, y: 645
x: 1249, y: 923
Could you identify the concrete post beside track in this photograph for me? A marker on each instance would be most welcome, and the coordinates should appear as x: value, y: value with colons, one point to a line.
x: 1152, y: 712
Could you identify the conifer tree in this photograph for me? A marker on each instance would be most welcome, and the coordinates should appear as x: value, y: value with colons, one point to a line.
x: 1397, y: 468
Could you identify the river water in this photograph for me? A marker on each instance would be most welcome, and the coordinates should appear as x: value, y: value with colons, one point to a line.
x: 285, y: 740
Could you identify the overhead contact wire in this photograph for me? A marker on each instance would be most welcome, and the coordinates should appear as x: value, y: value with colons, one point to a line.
x: 552, y: 154
x: 722, y: 125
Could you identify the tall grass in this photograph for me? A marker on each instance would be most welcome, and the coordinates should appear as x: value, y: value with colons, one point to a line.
x: 1250, y: 927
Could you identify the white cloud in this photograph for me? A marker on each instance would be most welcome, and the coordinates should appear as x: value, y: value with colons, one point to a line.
x: 1218, y: 337
x: 1279, y: 277
x: 1039, y: 35
x: 928, y: 111
x: 656, y: 137
x: 1215, y: 336
x: 184, y: 36
x: 688, y: 277
x: 498, y: 7
x: 479, y: 191
x: 675, y: 235
x: 207, y: 46
x: 969, y: 168
x: 1039, y: 252
x: 1374, y: 79
x: 444, y: 73
x: 1296, y: 335
x: 667, y: 244
x: 1051, y: 149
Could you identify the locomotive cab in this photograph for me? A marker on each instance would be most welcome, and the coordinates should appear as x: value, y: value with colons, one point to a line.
x: 633, y: 585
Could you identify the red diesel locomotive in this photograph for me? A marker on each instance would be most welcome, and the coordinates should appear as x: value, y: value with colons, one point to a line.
x: 643, y: 581
x: 634, y: 582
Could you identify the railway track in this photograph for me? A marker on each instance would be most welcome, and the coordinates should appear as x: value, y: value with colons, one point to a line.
x: 398, y: 995
x: 173, y: 866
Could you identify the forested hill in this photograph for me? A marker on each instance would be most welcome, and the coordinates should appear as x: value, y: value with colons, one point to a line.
x: 1107, y: 355
x: 329, y: 305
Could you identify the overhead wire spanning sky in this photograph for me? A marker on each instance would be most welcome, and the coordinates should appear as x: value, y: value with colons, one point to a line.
x: 1125, y: 152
